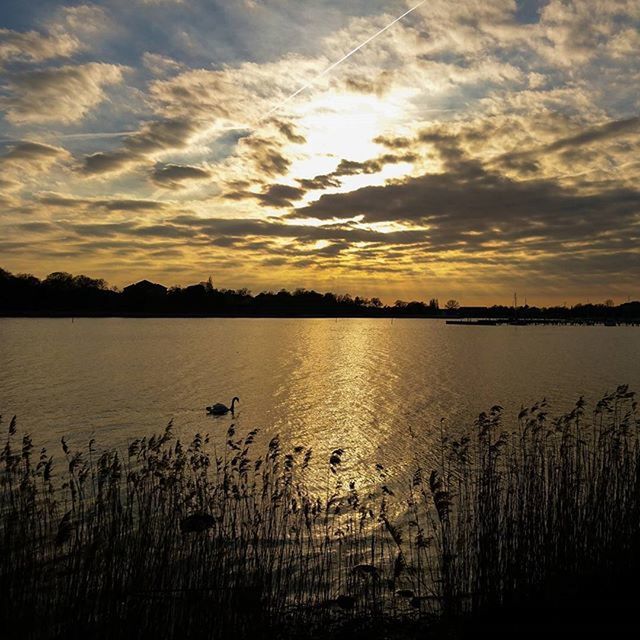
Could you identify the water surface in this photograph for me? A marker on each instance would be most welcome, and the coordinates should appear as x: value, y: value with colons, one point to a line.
x: 351, y: 383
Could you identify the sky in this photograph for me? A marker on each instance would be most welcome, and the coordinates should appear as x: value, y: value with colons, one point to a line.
x: 470, y: 150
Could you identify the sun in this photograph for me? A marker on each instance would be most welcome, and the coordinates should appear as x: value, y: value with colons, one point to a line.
x: 344, y: 125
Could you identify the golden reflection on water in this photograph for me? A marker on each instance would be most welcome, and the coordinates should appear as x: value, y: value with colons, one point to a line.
x: 353, y: 360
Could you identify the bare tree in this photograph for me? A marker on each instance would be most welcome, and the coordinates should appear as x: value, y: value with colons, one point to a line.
x: 452, y: 305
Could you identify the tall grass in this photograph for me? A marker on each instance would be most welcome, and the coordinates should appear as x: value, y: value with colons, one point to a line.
x: 175, y: 540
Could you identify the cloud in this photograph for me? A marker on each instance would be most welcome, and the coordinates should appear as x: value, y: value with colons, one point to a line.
x: 33, y: 153
x: 469, y: 213
x: 128, y: 204
x: 596, y: 133
x: 275, y: 195
x: 472, y: 206
x: 173, y: 176
x: 161, y: 65
x: 85, y: 21
x: 244, y: 230
x: 107, y: 162
x: 152, y: 139
x: 466, y: 203
x: 578, y: 32
x: 288, y: 131
x: 319, y: 182
x: 35, y: 46
x: 109, y: 204
x: 237, y: 96
x: 26, y: 160
x: 281, y: 195
x: 375, y: 165
x: 530, y: 160
x: 57, y: 94
x: 66, y: 33
x: 379, y: 85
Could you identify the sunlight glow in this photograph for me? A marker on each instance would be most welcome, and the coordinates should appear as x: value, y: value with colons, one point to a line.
x: 343, y: 126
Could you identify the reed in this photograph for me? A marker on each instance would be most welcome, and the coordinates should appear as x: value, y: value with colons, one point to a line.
x: 175, y: 539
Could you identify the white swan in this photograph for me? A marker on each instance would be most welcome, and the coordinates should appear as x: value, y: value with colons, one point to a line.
x: 219, y: 409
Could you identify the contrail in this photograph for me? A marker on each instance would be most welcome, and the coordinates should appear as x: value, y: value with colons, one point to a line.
x: 331, y: 67
x: 73, y: 136
x: 95, y: 134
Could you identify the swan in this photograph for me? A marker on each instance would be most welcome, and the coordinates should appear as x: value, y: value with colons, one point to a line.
x: 219, y: 409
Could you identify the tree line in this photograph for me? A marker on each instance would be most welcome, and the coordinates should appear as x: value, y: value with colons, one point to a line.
x: 64, y: 294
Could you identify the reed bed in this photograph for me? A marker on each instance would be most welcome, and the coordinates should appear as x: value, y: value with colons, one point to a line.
x: 178, y: 540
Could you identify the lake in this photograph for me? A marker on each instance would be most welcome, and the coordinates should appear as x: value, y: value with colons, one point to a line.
x: 358, y: 384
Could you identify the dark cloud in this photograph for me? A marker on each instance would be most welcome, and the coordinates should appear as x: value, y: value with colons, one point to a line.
x: 240, y: 195
x: 159, y: 135
x: 7, y: 185
x: 275, y: 195
x: 287, y: 130
x: 266, y: 155
x: 273, y: 228
x: 352, y: 167
x: 106, y: 162
x: 280, y: 195
x: 32, y: 151
x: 153, y: 137
x: 225, y: 241
x: 130, y: 205
x: 319, y: 182
x: 475, y: 206
x: 392, y: 142
x: 56, y: 200
x: 596, y: 133
x: 272, y: 163
x: 375, y: 165
x: 110, y: 204
x: 527, y: 161
x: 379, y: 85
x: 251, y: 233
x: 172, y: 176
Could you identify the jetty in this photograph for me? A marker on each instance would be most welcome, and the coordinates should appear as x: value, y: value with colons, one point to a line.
x: 525, y: 322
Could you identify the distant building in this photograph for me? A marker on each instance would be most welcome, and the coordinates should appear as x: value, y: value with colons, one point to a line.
x: 195, y: 290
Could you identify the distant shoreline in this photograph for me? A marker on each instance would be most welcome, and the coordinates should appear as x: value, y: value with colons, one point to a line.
x: 169, y: 316
x: 63, y: 295
x: 451, y: 320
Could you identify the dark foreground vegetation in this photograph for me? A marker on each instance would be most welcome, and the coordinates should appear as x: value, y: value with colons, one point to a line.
x: 528, y: 526
x: 62, y: 294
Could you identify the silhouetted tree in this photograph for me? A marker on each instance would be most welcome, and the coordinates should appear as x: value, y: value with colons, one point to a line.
x: 452, y: 305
